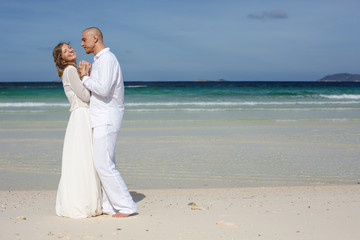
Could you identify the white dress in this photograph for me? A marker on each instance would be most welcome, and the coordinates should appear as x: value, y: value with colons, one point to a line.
x: 79, y: 192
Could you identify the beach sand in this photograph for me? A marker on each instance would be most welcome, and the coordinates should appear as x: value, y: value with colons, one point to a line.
x: 312, y: 212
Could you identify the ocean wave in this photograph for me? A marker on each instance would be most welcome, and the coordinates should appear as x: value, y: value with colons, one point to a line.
x: 23, y: 111
x: 184, y: 104
x: 321, y: 120
x: 136, y: 86
x: 302, y: 109
x: 237, y: 109
x: 341, y: 96
x: 246, y: 103
x: 33, y: 104
x: 183, y: 110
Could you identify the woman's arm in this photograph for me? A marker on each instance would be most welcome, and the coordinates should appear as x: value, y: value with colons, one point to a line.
x: 76, y: 85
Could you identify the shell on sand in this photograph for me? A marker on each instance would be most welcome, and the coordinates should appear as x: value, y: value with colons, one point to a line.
x: 227, y: 224
x: 194, y: 206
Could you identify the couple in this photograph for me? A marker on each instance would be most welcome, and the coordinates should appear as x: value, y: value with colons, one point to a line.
x: 90, y: 184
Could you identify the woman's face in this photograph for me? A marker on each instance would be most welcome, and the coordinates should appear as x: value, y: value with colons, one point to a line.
x: 68, y: 53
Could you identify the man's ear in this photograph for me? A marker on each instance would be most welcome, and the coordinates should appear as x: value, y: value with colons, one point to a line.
x: 96, y: 39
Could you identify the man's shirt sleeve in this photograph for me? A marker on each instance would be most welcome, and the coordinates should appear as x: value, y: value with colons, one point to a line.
x: 101, y: 80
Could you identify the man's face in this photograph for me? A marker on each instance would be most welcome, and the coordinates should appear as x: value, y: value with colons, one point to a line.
x: 88, y: 42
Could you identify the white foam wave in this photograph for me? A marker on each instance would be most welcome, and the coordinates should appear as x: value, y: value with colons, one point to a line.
x: 341, y: 96
x: 182, y: 104
x: 136, y: 86
x: 183, y: 110
x: 287, y: 120
x: 236, y: 109
x: 33, y: 104
x: 322, y: 120
x: 24, y: 111
x: 246, y: 103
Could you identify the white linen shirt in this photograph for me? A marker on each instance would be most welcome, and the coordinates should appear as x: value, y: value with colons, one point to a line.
x: 107, y: 90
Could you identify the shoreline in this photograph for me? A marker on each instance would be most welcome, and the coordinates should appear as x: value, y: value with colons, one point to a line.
x: 22, y: 181
x: 298, y: 212
x: 194, y: 154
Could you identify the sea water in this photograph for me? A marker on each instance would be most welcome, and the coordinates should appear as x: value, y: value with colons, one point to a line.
x: 194, y: 134
x: 293, y: 101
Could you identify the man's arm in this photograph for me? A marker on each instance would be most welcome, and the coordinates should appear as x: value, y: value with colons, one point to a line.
x: 102, y: 83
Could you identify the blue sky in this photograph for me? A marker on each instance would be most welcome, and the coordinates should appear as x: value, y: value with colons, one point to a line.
x: 163, y: 40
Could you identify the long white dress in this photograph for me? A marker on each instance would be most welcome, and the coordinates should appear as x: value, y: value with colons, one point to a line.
x: 79, y: 191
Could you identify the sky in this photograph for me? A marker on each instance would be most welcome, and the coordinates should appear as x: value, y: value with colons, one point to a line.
x: 187, y: 40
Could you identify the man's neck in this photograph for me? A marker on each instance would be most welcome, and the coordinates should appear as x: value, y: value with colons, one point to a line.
x: 99, y: 49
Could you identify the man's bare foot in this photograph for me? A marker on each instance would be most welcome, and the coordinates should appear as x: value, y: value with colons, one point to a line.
x: 120, y: 215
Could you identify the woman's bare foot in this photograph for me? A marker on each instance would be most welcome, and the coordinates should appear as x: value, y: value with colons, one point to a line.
x: 120, y: 215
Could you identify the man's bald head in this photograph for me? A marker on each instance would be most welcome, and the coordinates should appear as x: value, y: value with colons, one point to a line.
x: 94, y: 31
x: 92, y: 40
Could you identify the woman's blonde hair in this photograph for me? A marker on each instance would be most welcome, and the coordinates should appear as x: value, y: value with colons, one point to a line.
x: 60, y: 63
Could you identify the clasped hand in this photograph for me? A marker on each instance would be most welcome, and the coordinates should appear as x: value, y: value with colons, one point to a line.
x: 85, y: 68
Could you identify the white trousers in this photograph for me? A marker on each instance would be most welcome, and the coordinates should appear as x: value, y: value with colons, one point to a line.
x: 116, y: 196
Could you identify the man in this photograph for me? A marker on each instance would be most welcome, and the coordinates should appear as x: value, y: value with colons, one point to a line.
x: 106, y: 108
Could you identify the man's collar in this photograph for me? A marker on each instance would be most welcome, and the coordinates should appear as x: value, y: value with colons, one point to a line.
x: 101, y: 53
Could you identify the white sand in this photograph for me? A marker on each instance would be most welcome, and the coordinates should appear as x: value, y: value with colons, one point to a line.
x: 322, y: 212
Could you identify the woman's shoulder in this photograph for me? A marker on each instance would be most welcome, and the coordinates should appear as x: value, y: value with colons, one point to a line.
x: 66, y: 74
x: 69, y: 68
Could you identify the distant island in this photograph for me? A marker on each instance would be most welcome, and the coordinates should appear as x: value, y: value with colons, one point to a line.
x: 341, y: 77
x: 205, y: 80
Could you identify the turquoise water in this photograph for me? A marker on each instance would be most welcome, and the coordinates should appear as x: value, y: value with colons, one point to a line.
x: 259, y: 100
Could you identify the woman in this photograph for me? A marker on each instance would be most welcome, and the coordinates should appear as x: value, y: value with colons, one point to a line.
x: 79, y: 192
